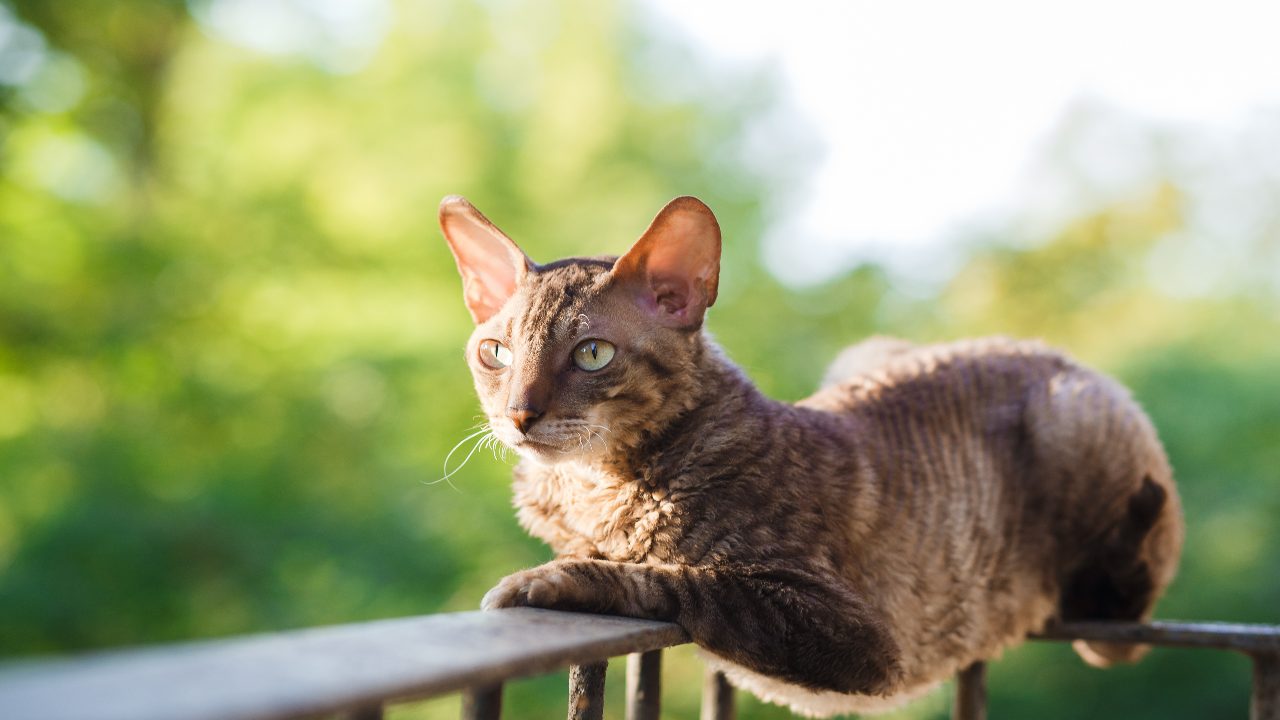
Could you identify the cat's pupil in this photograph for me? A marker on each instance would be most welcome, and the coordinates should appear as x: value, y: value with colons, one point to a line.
x: 592, y: 355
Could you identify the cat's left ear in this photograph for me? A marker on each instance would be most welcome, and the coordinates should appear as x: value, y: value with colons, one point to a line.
x: 491, y: 264
x: 675, y: 265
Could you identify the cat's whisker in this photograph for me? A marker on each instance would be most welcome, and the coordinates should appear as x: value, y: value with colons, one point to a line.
x: 448, y: 473
x: 592, y: 435
x: 495, y: 447
x: 458, y: 445
x: 489, y: 441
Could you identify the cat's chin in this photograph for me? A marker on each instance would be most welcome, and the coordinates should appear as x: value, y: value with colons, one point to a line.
x: 551, y: 448
x: 541, y: 452
x: 546, y: 454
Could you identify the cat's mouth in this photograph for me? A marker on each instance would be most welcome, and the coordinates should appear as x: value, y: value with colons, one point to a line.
x: 525, y: 442
x: 565, y: 440
x: 544, y: 452
x: 528, y: 444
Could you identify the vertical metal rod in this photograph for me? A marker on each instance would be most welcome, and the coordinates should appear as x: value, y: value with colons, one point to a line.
x: 586, y: 691
x: 1265, y: 704
x: 971, y: 693
x: 368, y: 712
x: 482, y: 703
x: 717, y: 697
x: 644, y: 685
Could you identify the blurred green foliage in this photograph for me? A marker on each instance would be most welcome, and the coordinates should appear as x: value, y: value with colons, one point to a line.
x: 230, y: 334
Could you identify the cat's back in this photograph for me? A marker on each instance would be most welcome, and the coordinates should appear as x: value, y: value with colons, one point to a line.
x: 993, y: 409
x: 887, y: 374
x: 1023, y: 394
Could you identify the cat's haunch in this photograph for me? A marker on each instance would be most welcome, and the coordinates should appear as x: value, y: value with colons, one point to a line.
x: 928, y: 507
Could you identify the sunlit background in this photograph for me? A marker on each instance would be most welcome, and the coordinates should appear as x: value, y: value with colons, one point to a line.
x: 230, y: 333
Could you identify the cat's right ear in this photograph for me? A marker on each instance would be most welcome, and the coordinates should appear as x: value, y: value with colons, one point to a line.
x: 675, y: 265
x: 490, y: 263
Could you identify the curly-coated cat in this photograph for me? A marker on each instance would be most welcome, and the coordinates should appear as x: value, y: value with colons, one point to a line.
x: 926, y: 508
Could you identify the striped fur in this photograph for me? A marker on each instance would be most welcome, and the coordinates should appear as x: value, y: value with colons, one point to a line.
x: 928, y: 507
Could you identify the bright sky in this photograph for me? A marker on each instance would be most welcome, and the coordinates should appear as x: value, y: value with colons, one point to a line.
x: 935, y: 116
x: 940, y: 121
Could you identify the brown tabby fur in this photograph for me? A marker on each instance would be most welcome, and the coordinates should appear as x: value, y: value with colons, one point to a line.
x: 928, y: 507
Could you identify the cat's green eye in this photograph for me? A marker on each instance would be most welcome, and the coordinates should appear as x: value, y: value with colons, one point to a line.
x: 494, y: 354
x: 592, y: 354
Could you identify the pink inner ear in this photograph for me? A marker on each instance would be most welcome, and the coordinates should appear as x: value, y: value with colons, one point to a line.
x: 490, y: 264
x: 678, y: 275
x: 489, y: 278
x: 676, y: 262
x: 670, y: 296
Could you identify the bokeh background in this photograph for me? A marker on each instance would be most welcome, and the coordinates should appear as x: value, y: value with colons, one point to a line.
x: 230, y: 333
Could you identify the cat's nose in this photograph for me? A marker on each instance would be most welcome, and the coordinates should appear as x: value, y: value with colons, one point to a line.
x: 524, y: 418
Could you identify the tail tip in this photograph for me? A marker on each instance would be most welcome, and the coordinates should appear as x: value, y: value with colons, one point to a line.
x: 1107, y: 654
x: 1145, y: 504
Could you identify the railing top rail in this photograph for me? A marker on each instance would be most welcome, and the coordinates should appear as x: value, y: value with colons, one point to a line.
x: 1253, y: 639
x: 307, y: 672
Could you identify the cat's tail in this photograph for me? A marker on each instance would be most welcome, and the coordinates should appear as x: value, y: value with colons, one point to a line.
x: 1122, y: 582
x: 866, y: 357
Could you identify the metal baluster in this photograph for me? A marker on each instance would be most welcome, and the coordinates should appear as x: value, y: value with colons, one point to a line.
x: 1265, y: 704
x: 482, y: 703
x: 644, y: 685
x: 717, y: 697
x: 971, y: 693
x: 586, y: 691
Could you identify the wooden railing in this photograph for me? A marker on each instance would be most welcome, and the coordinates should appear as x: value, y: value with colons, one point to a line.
x: 355, y: 670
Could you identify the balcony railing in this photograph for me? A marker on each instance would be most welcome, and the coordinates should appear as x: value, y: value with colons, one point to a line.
x: 356, y: 670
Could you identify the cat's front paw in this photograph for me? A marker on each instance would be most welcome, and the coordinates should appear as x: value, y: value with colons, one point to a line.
x: 545, y: 586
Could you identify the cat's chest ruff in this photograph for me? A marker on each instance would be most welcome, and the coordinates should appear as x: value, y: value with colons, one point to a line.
x: 582, y: 511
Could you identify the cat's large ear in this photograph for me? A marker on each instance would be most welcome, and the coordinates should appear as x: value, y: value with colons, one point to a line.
x: 675, y: 265
x: 490, y: 263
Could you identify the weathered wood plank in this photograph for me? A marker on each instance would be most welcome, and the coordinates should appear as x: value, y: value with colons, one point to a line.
x: 717, y: 697
x: 336, y: 669
x: 309, y: 672
x: 482, y: 703
x: 586, y: 691
x: 971, y: 693
x: 1224, y: 636
x: 644, y: 685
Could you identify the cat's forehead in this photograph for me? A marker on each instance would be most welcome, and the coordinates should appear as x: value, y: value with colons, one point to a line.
x: 556, y: 295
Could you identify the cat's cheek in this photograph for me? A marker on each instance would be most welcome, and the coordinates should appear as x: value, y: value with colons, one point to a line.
x: 505, y: 433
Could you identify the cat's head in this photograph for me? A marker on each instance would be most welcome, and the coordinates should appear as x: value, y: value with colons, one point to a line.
x: 582, y: 357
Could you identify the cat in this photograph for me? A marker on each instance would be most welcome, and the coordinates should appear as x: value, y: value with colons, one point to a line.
x: 928, y: 507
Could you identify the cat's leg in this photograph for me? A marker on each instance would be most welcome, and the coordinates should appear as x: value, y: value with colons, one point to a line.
x: 778, y: 622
